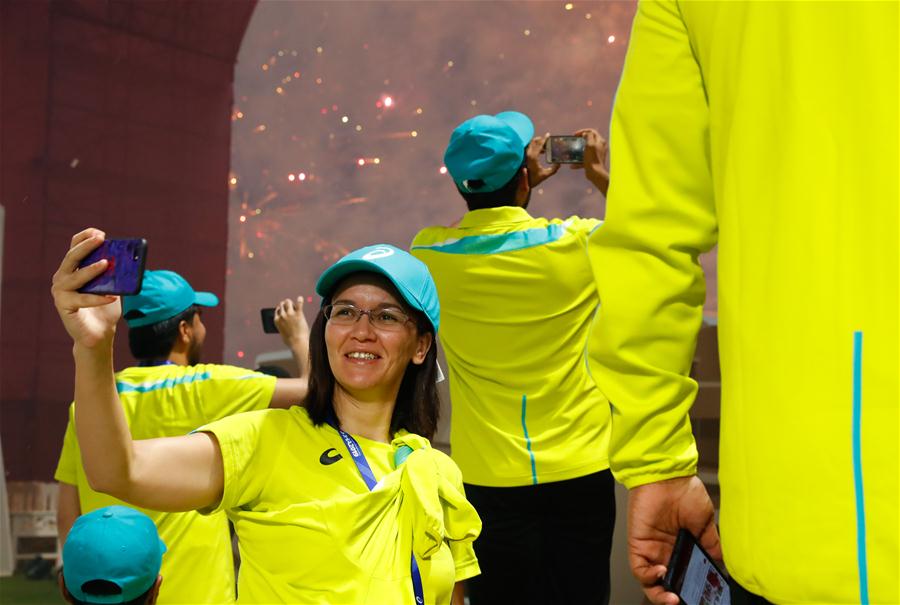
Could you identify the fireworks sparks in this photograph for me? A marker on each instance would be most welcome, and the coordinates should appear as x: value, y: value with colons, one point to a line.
x: 338, y: 135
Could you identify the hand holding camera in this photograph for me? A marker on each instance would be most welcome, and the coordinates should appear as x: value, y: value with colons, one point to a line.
x: 537, y: 172
x: 596, y: 151
x: 585, y: 149
x: 288, y: 320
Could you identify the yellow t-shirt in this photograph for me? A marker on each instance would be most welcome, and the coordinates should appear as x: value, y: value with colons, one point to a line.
x: 309, y: 529
x: 167, y: 401
x: 517, y: 300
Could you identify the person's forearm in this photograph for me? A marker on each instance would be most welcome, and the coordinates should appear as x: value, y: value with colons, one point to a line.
x: 300, y: 353
x: 600, y: 181
x: 103, y: 433
x: 68, y: 508
x: 459, y: 594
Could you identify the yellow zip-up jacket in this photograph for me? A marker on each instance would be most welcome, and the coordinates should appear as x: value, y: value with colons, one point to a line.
x: 770, y: 128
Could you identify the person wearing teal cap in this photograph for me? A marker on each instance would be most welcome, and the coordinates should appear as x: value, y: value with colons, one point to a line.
x: 340, y: 500
x: 529, y: 425
x: 113, y: 555
x: 164, y: 294
x: 171, y: 393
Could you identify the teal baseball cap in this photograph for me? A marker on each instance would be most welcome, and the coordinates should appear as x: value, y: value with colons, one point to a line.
x: 115, y: 544
x: 408, y: 274
x: 486, y: 151
x: 164, y: 294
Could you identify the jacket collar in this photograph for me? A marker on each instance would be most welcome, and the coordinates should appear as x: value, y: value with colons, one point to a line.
x: 492, y: 216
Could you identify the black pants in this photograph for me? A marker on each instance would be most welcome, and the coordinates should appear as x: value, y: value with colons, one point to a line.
x: 544, y: 544
x: 741, y: 596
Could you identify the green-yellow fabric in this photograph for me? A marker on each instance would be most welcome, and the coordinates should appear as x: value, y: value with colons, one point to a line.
x: 312, y: 532
x: 517, y: 298
x: 770, y: 129
x: 167, y: 401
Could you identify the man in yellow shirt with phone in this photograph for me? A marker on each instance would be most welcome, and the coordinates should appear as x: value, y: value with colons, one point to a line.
x: 171, y: 393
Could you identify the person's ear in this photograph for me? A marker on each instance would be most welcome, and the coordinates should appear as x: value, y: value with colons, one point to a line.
x: 524, y: 188
x: 62, y: 587
x: 153, y: 593
x: 185, y: 331
x: 423, y: 345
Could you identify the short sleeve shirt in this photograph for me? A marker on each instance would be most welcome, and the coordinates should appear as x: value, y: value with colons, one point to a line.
x: 167, y: 401
x: 309, y: 528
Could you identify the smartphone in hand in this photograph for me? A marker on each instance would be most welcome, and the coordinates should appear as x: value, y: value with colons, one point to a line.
x: 268, y: 320
x: 693, y: 575
x: 565, y: 149
x: 124, y: 274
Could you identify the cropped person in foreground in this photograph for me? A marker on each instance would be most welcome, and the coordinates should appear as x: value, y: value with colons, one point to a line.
x: 770, y: 129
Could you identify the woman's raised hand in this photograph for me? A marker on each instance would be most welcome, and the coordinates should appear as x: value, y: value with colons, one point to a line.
x: 90, y: 319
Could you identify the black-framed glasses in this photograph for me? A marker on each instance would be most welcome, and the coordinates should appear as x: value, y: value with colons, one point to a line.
x: 382, y: 318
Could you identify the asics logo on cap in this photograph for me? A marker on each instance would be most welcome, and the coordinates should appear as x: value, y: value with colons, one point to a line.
x: 378, y: 253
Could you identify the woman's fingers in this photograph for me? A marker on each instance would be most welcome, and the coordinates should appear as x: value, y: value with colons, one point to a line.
x: 82, y: 244
x: 70, y: 281
x: 87, y: 233
x: 85, y: 301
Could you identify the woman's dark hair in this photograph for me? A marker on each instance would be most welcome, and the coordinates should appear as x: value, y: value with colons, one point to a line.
x: 105, y: 588
x: 155, y: 341
x: 505, y: 196
x: 418, y: 403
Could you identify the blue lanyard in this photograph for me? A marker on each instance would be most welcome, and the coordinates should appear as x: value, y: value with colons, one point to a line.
x: 369, y: 477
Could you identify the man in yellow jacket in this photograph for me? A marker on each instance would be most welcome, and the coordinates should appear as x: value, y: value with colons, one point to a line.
x: 770, y: 129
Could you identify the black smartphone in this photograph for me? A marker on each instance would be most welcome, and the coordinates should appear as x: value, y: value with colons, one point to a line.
x: 125, y: 272
x: 565, y: 149
x: 693, y: 575
x: 268, y: 320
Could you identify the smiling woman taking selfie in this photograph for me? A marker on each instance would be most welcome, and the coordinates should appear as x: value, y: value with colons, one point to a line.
x: 341, y: 500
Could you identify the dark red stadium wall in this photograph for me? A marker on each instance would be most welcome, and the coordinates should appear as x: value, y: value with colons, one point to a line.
x: 115, y: 114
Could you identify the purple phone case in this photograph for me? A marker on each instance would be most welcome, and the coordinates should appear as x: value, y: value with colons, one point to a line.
x: 125, y: 272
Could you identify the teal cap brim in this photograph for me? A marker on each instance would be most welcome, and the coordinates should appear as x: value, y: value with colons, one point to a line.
x: 206, y: 299
x: 334, y: 274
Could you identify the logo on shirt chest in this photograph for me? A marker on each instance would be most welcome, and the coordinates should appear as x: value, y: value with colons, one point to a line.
x: 330, y: 456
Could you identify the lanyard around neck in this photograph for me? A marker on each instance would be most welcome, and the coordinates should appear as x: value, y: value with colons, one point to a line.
x: 369, y: 477
x: 150, y: 364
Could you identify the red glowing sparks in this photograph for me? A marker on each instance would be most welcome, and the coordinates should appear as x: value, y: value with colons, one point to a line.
x: 443, y: 170
x: 302, y: 176
x: 243, y: 219
x: 361, y: 162
x: 389, y: 101
x: 240, y: 354
x: 291, y: 178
